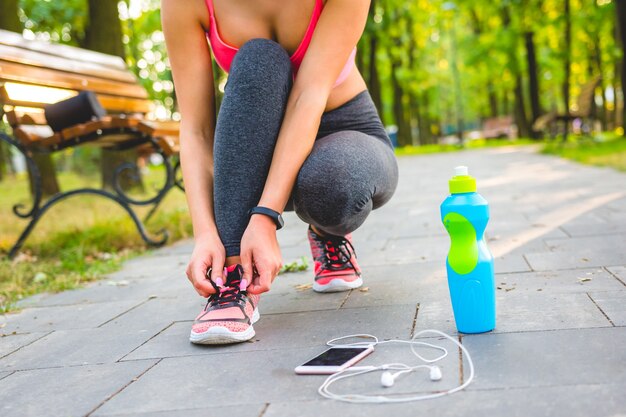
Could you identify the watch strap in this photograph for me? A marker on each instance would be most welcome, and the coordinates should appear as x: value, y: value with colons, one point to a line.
x: 273, y: 214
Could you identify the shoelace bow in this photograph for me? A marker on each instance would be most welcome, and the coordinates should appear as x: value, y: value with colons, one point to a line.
x: 337, y: 252
x: 228, y: 294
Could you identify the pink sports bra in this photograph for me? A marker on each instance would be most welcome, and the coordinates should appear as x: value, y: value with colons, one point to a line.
x: 224, y: 53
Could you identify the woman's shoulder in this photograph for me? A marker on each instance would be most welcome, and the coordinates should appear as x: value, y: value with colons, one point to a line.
x: 192, y: 11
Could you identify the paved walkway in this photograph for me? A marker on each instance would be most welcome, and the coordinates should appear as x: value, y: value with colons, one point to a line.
x: 558, y: 231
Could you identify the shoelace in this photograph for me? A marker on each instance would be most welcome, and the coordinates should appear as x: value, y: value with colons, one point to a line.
x: 229, y: 294
x: 337, y: 252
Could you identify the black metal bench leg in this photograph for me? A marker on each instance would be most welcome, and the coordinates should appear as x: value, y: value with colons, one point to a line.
x: 61, y: 196
x: 36, y: 212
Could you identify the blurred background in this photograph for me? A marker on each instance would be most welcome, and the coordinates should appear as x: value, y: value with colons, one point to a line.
x: 445, y: 75
x: 434, y: 68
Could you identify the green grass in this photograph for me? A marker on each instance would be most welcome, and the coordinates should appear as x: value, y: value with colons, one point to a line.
x: 606, y: 151
x: 77, y: 241
x: 473, y: 144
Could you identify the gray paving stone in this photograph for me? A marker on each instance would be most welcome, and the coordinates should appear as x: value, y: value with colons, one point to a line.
x: 75, y: 347
x: 613, y: 304
x: 12, y: 342
x: 204, y: 378
x: 280, y: 331
x: 523, y: 311
x: 300, y: 301
x: 183, y: 247
x: 399, y: 284
x: 72, y: 391
x: 410, y: 250
x: 581, y: 252
x: 600, y: 221
x: 248, y: 410
x: 570, y: 401
x: 543, y: 359
x: 571, y: 281
x: 156, y: 314
x: 619, y: 272
x: 109, y: 290
x: 65, y: 317
x: 547, y: 214
x: 147, y: 266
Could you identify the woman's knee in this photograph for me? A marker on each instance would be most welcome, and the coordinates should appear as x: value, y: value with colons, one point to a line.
x: 262, y: 63
x: 334, y: 200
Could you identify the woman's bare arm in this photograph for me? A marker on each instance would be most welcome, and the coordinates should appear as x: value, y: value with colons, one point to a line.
x: 190, y: 61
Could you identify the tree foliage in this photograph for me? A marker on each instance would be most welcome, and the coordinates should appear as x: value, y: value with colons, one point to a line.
x: 511, y: 57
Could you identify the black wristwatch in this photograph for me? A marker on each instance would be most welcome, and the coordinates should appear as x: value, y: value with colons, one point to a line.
x: 278, y: 219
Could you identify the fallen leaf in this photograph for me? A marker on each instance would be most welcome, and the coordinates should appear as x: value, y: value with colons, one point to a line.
x: 121, y: 283
x: 303, y: 287
x: 539, y: 289
x: 509, y: 289
x: 585, y: 279
x: 584, y: 259
x: 364, y: 289
x: 499, y: 288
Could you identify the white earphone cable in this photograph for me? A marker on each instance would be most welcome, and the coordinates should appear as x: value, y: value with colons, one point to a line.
x: 400, y: 367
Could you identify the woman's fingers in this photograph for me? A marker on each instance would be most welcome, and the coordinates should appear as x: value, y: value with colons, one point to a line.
x: 262, y: 281
x: 199, y: 280
x: 217, y: 269
x: 246, y: 264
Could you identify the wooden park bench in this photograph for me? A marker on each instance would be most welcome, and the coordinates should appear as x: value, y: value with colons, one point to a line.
x: 550, y: 121
x: 34, y: 74
x: 502, y: 127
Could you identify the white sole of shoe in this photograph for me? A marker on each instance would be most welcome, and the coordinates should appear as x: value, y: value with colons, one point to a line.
x: 219, y: 335
x: 337, y: 285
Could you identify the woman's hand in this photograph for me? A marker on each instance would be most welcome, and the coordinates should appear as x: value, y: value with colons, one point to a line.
x: 208, y: 253
x: 260, y: 254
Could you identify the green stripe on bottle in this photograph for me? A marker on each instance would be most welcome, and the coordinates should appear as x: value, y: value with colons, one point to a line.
x: 463, y: 255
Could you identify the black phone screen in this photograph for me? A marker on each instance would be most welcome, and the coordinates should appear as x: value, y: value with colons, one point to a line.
x: 335, y: 356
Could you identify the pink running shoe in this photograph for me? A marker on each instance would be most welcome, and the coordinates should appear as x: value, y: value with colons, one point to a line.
x: 336, y: 268
x: 229, y: 314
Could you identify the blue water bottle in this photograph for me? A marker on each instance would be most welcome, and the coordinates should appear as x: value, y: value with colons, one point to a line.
x: 471, y: 280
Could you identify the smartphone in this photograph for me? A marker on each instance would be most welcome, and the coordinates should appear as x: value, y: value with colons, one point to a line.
x: 334, y: 360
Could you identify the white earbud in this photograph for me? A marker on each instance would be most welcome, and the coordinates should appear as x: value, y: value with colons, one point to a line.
x: 435, y: 373
x: 387, y: 379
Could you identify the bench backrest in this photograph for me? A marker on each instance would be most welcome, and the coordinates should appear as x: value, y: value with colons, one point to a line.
x: 34, y: 73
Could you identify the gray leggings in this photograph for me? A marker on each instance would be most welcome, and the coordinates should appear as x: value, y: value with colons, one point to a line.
x: 350, y: 171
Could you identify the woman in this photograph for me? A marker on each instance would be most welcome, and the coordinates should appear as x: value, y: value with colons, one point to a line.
x: 296, y: 129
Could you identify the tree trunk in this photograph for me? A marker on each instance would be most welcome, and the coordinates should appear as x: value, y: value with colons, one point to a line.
x: 423, y: 122
x: 621, y: 20
x: 415, y: 117
x: 533, y: 79
x: 519, y: 107
x: 404, y: 130
x: 493, y: 99
x: 524, y: 129
x: 49, y: 183
x: 374, y: 80
x: 9, y: 20
x: 567, y: 63
x: 3, y: 160
x: 104, y: 34
x: 104, y: 31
